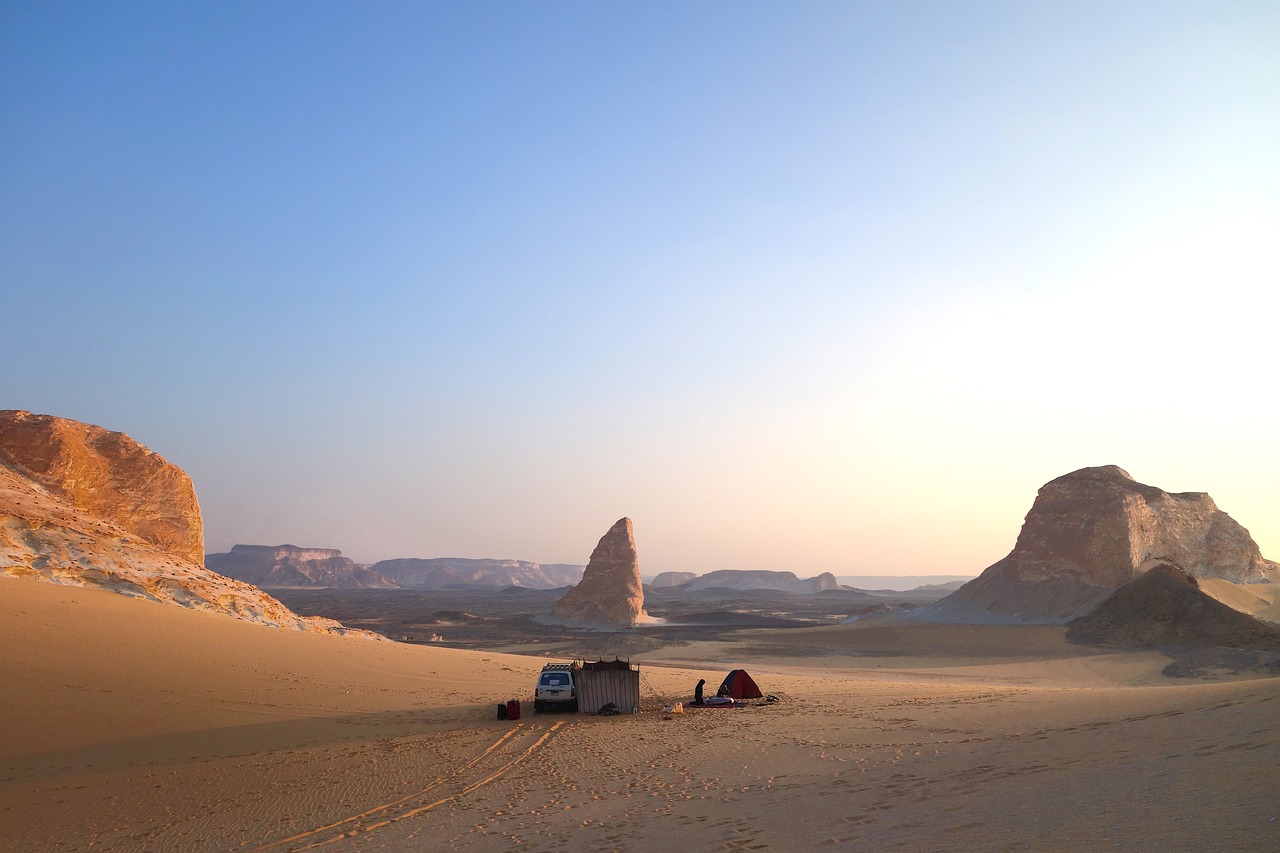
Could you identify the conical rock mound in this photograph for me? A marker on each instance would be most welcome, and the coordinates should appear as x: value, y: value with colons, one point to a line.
x: 610, y: 594
x: 1165, y: 606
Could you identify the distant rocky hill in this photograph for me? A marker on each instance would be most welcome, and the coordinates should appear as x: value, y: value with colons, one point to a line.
x: 669, y: 579
x: 743, y: 579
x: 903, y: 583
x: 1091, y: 531
x: 83, y: 506
x: 462, y: 573
x: 949, y: 586
x: 291, y: 567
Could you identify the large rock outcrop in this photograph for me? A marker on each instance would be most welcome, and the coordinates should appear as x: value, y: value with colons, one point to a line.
x: 465, y: 573
x: 108, y: 475
x: 1088, y: 533
x: 82, y: 506
x: 291, y: 567
x: 610, y: 594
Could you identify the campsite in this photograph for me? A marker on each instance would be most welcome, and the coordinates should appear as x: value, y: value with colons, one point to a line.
x: 686, y: 427
x: 194, y: 732
x: 608, y: 688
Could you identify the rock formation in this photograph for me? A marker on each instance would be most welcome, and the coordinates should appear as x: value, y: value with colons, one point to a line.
x: 741, y: 579
x: 461, y: 573
x: 610, y: 594
x: 1091, y: 531
x: 1165, y: 606
x: 291, y: 567
x: 82, y: 506
x: 107, y: 475
x: 670, y: 579
x: 949, y: 586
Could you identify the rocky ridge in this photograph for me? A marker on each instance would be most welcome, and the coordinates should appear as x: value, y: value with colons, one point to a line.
x: 743, y: 579
x: 291, y: 567
x: 75, y: 509
x: 610, y: 594
x: 464, y: 573
x: 665, y: 580
x: 1090, y: 532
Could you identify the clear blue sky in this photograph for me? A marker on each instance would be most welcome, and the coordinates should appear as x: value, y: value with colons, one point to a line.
x: 802, y: 286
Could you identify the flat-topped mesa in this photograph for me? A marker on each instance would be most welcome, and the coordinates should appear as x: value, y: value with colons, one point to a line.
x: 1091, y: 531
x: 291, y: 567
x: 108, y: 475
x: 293, y: 551
x: 610, y: 593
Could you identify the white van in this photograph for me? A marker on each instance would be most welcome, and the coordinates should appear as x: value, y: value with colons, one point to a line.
x: 556, y: 688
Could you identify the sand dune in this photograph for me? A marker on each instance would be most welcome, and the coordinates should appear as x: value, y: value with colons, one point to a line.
x: 129, y: 725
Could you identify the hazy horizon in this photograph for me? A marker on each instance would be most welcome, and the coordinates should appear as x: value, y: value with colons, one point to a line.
x: 793, y: 285
x: 872, y: 581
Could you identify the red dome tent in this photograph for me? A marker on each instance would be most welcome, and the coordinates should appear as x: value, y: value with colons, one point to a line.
x: 739, y: 685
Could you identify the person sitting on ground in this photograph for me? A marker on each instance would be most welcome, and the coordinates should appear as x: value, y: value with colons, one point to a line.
x: 697, y: 692
x: 724, y: 689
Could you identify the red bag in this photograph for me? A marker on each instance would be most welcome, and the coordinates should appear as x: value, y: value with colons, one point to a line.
x: 513, y: 709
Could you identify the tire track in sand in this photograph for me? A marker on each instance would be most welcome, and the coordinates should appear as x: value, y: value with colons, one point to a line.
x: 475, y: 774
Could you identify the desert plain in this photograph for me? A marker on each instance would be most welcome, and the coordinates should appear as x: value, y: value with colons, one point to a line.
x: 132, y: 725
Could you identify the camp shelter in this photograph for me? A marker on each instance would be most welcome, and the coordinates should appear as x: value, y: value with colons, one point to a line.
x: 607, y: 681
x: 739, y: 685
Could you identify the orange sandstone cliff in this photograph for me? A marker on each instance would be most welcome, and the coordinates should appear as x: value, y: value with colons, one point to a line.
x: 84, y: 506
x: 107, y: 475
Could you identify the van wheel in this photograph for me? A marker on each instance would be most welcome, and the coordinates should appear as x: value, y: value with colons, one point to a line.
x: 538, y: 706
x: 573, y: 706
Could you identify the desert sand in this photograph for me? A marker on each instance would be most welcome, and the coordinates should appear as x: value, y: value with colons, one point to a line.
x: 133, y: 725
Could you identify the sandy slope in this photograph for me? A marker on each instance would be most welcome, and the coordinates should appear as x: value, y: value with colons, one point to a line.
x: 129, y: 725
x: 1257, y: 599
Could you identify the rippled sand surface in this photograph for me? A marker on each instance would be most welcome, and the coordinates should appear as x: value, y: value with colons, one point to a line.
x: 135, y: 726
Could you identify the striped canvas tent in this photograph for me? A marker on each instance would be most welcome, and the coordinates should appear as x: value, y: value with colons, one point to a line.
x: 604, y: 682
